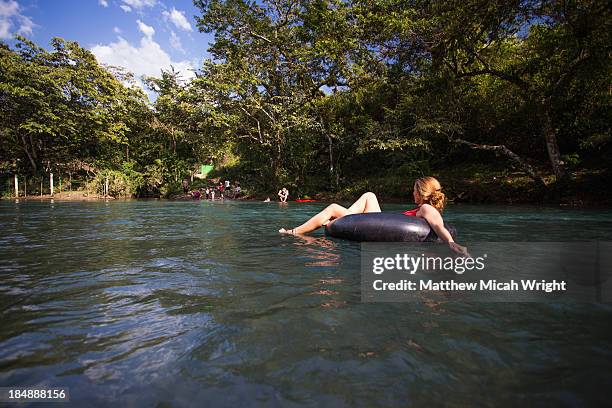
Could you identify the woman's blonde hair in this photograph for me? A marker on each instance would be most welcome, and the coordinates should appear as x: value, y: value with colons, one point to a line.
x: 430, y: 190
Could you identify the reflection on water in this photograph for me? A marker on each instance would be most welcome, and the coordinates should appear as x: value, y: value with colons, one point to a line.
x: 172, y: 303
x: 322, y: 251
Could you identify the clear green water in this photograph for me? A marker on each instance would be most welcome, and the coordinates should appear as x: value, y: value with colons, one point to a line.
x: 157, y: 303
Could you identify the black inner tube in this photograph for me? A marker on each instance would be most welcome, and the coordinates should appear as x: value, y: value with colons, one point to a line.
x: 384, y: 227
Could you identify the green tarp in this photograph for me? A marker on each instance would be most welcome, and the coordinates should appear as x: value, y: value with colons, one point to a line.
x: 205, y: 169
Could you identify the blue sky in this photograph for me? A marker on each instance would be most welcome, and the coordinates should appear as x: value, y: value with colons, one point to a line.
x: 142, y: 36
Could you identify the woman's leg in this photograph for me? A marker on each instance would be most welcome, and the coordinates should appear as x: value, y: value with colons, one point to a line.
x: 367, y: 203
x: 322, y: 218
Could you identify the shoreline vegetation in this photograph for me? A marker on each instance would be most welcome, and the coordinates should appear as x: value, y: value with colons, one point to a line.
x: 489, y: 188
x: 503, y: 103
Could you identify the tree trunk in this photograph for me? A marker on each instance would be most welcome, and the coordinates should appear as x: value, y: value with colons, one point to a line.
x: 51, y: 183
x: 552, y: 146
x: 526, y: 167
x: 30, y: 156
x: 543, y: 107
x: 277, y: 158
x: 331, y: 160
x: 16, y: 186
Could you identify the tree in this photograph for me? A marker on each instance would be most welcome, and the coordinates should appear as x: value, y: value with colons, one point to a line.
x: 59, y: 105
x: 540, y: 48
x: 270, y: 63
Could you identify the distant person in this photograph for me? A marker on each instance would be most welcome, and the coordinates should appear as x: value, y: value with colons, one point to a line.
x: 283, y: 194
x: 237, y: 190
x: 267, y: 200
x: 212, y: 194
x: 221, y: 190
x: 207, y: 193
x: 227, y: 184
x: 185, y: 186
x: 196, y: 194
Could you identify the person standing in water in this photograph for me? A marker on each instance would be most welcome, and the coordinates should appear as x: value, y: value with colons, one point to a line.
x: 283, y: 194
x: 427, y: 193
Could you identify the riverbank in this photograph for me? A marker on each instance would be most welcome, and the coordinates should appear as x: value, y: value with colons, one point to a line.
x: 476, y: 184
x: 65, y: 196
x: 465, y: 184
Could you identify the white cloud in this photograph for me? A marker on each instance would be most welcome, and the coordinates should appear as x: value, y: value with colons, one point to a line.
x: 12, y: 20
x: 147, y: 30
x: 175, y: 42
x: 5, y: 29
x: 145, y: 59
x: 8, y: 8
x: 125, y: 8
x: 178, y: 19
x: 103, y: 3
x: 26, y: 25
x: 138, y: 4
x: 116, y: 30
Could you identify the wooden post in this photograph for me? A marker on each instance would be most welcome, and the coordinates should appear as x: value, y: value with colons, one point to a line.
x: 51, y: 183
x: 16, y: 186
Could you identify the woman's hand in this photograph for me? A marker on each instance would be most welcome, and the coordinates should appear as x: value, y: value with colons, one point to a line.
x: 461, y: 250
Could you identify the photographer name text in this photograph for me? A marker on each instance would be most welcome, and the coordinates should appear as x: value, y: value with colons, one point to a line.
x: 482, y: 285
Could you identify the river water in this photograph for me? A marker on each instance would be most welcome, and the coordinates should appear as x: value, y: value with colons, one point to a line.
x: 161, y: 303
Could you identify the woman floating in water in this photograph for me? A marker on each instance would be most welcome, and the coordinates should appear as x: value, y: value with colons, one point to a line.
x: 427, y: 194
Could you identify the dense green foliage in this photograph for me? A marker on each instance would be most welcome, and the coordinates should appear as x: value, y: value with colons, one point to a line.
x: 327, y: 95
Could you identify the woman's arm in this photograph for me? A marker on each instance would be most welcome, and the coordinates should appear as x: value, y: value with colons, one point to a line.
x: 433, y: 217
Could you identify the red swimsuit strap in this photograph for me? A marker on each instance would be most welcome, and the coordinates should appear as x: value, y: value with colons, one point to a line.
x: 412, y: 212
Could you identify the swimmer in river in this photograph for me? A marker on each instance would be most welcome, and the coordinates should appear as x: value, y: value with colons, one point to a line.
x: 428, y: 196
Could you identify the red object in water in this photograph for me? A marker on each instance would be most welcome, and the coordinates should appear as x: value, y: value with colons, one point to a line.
x: 305, y: 201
